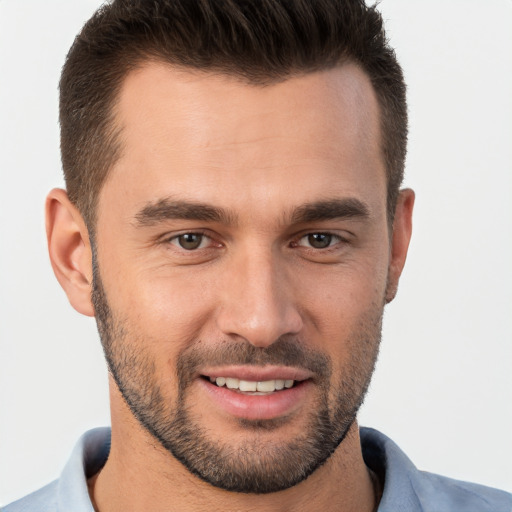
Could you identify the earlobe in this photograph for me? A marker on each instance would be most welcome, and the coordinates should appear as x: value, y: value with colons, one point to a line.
x: 401, y: 236
x: 70, y: 250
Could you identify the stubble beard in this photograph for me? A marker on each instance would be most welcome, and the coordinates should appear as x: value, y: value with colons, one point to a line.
x: 254, y: 465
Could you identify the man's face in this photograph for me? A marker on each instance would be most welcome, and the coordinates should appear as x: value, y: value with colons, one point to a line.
x: 242, y: 265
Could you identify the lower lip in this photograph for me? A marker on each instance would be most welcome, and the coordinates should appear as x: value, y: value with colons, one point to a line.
x: 257, y: 407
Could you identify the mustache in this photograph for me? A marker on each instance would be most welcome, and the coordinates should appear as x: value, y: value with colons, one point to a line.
x: 283, y: 352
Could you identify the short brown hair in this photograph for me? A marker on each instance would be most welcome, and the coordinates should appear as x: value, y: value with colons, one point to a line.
x: 259, y: 41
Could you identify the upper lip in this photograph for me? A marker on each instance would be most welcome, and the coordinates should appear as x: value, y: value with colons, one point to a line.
x: 258, y: 373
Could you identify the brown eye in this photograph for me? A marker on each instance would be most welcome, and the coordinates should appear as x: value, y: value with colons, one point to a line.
x: 190, y: 241
x: 319, y: 240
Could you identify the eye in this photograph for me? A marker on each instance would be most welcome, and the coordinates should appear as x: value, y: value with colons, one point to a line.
x: 319, y: 240
x: 190, y: 241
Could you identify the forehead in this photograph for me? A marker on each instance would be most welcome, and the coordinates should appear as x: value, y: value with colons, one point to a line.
x: 210, y: 137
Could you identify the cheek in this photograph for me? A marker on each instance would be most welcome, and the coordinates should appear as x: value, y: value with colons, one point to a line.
x: 338, y: 298
x: 166, y: 309
x: 354, y: 356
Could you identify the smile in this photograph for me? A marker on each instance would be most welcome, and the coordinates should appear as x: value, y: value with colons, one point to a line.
x: 248, y: 386
x: 254, y: 393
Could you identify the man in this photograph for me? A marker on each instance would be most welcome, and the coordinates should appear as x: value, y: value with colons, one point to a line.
x: 233, y: 219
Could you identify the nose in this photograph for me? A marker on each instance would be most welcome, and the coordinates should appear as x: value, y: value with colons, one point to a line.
x: 257, y: 300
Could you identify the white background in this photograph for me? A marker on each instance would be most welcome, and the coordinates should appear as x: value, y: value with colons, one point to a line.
x: 443, y: 388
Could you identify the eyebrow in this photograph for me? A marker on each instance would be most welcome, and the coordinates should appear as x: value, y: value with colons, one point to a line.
x: 169, y: 209
x: 330, y: 209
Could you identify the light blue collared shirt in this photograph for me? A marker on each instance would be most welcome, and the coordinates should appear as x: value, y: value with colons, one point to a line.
x: 406, y: 489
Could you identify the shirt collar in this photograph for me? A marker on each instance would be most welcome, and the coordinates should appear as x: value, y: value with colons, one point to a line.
x: 87, y: 458
x: 394, y: 469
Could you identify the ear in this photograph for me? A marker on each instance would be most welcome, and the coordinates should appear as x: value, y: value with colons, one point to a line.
x: 401, y: 236
x: 70, y: 250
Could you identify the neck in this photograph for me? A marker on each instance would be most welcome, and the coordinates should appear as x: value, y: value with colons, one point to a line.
x: 141, y: 475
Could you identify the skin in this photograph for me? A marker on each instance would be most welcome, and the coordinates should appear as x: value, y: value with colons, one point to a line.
x: 259, y: 153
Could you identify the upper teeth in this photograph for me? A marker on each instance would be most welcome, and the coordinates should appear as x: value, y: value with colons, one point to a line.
x: 265, y: 386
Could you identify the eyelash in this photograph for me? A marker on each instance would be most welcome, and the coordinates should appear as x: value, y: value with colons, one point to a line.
x: 337, y: 239
x: 331, y: 236
x: 174, y: 240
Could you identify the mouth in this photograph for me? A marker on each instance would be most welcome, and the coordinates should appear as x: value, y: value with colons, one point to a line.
x: 257, y: 393
x: 253, y: 387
